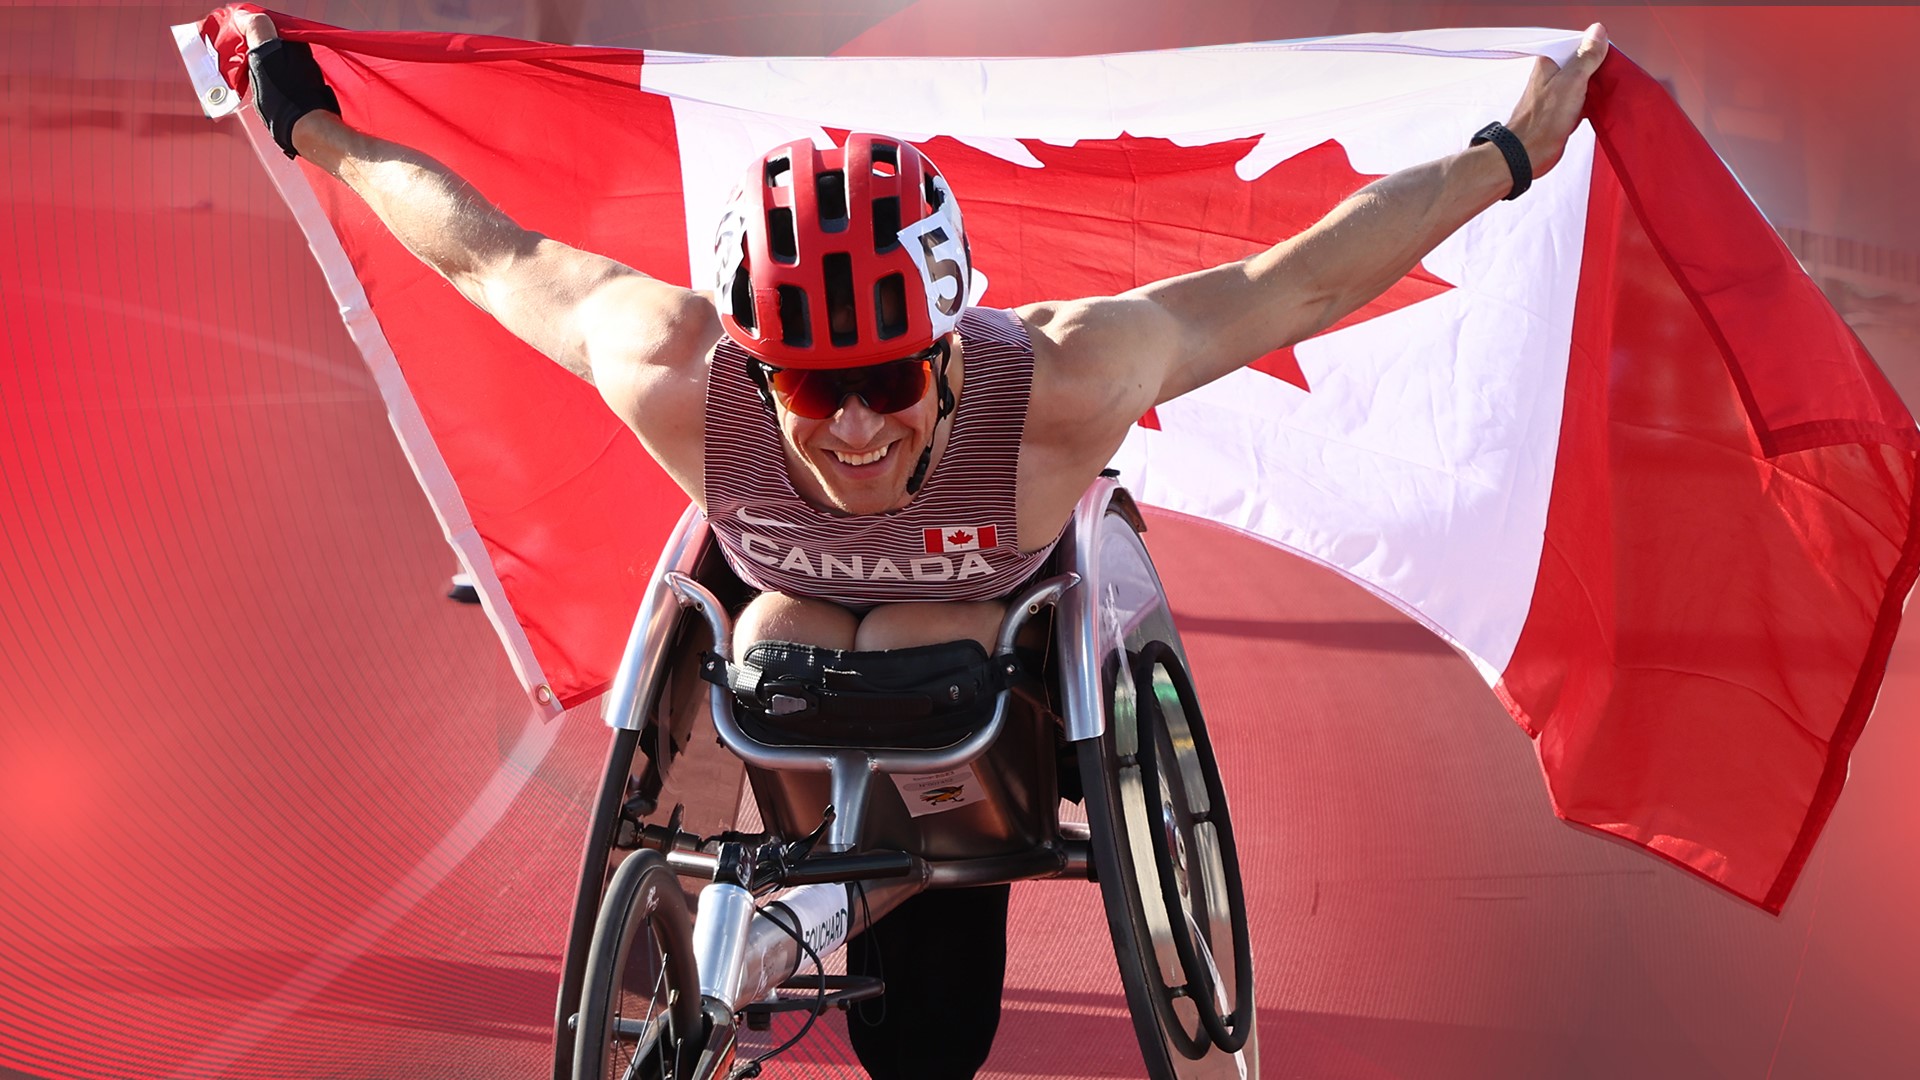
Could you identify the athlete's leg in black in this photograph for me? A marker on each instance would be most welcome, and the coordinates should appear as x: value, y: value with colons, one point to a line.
x: 943, y: 955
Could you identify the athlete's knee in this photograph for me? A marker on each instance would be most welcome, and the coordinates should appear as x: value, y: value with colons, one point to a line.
x: 773, y: 616
x: 902, y: 626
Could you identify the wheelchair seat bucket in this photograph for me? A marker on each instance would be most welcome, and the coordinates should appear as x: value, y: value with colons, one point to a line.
x: 1162, y: 839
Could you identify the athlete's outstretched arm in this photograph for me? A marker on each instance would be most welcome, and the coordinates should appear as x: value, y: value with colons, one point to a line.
x: 602, y: 320
x: 1161, y: 340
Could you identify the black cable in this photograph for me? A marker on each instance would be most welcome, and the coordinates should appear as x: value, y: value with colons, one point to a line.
x: 879, y: 958
x: 752, y: 1068
x: 947, y: 403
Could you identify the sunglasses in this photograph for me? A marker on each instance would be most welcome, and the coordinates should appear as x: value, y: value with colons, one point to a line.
x: 885, y: 388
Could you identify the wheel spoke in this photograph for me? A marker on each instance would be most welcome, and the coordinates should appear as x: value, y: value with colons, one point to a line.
x: 643, y: 928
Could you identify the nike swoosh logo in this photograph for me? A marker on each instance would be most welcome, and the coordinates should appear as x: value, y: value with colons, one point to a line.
x: 755, y: 519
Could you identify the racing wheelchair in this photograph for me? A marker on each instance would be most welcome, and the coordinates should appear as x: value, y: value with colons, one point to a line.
x: 1104, y: 713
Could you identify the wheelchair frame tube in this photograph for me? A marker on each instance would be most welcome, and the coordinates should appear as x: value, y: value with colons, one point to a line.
x: 1077, y: 631
x: 744, y: 953
x: 720, y: 937
x: 653, y: 627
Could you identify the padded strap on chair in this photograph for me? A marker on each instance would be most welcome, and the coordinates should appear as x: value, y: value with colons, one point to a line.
x: 924, y: 697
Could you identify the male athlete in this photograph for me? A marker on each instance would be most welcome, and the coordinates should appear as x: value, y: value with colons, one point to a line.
x: 834, y: 400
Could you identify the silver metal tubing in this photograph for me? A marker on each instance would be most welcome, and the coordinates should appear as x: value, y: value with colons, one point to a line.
x: 743, y: 954
x: 771, y: 956
x: 1077, y: 631
x: 1079, y: 864
x: 694, y: 864
x: 821, y: 915
x: 720, y: 935
x: 1028, y: 604
x: 852, y: 770
x: 722, y: 1031
x: 1076, y: 842
x: 652, y: 634
x: 850, y: 778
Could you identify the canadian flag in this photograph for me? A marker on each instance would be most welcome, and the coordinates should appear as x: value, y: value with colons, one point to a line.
x: 951, y: 538
x: 1608, y: 440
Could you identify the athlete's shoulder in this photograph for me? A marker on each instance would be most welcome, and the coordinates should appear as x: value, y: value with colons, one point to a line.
x: 1089, y: 381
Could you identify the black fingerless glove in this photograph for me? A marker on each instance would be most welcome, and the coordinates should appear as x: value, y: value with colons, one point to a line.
x: 287, y: 85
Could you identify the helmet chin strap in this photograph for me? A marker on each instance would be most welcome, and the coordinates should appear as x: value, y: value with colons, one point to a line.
x: 946, y: 408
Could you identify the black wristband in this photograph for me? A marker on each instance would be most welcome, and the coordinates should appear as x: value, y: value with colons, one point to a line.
x: 287, y: 85
x: 1518, y: 163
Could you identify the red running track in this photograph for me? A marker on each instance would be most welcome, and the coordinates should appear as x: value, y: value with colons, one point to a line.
x: 271, y: 807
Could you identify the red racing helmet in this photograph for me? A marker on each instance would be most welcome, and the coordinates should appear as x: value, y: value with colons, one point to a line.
x: 841, y: 257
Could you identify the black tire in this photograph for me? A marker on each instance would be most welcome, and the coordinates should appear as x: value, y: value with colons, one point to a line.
x: 587, y: 894
x: 1194, y: 854
x: 640, y: 1016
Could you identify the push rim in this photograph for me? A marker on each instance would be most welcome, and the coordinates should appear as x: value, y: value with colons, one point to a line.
x: 1197, y: 863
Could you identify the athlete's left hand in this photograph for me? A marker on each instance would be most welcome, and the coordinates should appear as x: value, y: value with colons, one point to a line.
x: 1554, y: 99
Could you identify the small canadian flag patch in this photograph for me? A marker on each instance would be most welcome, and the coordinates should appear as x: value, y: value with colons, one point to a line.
x: 949, y: 538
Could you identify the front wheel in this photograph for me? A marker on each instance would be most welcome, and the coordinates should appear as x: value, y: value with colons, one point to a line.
x: 640, y: 998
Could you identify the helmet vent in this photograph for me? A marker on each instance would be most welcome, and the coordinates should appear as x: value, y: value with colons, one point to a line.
x: 780, y: 235
x: 780, y: 172
x: 890, y: 306
x: 830, y: 188
x: 843, y: 322
x: 886, y: 159
x: 886, y: 224
x: 796, y: 329
x: 742, y: 296
x: 934, y: 197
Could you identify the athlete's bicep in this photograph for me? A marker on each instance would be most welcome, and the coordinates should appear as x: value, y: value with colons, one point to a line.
x: 1225, y: 317
x: 581, y: 309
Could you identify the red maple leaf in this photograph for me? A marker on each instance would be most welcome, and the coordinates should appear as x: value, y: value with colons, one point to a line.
x: 1105, y: 215
x: 959, y: 536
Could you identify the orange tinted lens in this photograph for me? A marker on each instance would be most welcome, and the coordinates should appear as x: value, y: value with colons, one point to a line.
x: 816, y: 395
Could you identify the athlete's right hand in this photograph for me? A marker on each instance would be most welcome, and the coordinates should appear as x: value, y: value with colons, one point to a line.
x: 256, y: 26
x: 287, y: 83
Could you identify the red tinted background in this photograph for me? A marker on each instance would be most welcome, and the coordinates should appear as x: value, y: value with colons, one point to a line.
x: 271, y: 806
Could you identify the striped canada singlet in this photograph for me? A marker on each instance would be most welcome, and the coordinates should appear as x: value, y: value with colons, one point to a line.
x: 956, y: 540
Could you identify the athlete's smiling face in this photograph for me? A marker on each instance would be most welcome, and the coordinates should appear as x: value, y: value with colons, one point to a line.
x: 858, y: 460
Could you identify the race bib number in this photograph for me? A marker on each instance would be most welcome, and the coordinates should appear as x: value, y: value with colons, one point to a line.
x: 935, y: 245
